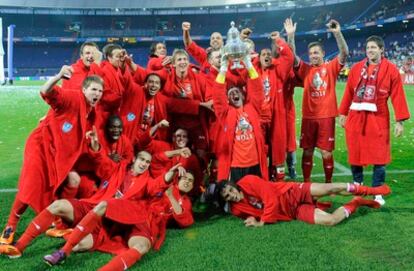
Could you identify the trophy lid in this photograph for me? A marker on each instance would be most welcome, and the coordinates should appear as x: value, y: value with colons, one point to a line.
x: 233, y: 32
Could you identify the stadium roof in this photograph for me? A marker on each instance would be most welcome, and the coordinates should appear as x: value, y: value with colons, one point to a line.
x: 162, y: 4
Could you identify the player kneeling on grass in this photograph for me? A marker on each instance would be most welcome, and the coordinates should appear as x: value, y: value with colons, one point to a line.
x: 253, y: 198
x: 141, y: 224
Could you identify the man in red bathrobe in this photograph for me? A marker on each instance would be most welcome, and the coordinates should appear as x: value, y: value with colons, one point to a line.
x: 241, y: 144
x: 87, y: 64
x: 54, y: 146
x: 364, y: 112
x: 274, y: 72
x: 260, y: 202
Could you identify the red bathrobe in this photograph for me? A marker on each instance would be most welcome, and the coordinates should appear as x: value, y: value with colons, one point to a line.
x: 53, y: 147
x: 278, y: 74
x: 227, y: 116
x: 80, y: 72
x: 86, y: 168
x: 116, y: 82
x: 133, y: 208
x: 173, y: 88
x: 161, y: 163
x: 289, y: 91
x: 368, y: 133
x: 267, y: 201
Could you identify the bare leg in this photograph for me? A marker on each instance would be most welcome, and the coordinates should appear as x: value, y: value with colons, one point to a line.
x: 324, y: 189
x: 139, y: 245
x: 327, y: 219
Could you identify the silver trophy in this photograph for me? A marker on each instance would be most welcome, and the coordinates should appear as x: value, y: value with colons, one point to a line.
x: 235, y: 48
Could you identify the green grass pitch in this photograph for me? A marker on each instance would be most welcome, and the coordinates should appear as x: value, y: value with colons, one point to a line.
x: 370, y: 240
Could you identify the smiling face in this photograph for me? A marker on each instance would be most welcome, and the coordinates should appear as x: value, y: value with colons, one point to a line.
x: 93, y: 93
x: 374, y: 52
x: 180, y: 138
x: 235, y: 97
x: 316, y: 55
x: 114, y: 129
x: 142, y: 162
x: 180, y: 63
x: 153, y: 84
x: 186, y: 183
x: 216, y: 40
x: 115, y: 58
x: 231, y: 193
x: 215, y: 59
x: 265, y: 58
x: 87, y: 55
x: 160, y: 49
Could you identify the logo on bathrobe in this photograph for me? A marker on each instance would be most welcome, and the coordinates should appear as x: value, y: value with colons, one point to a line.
x: 130, y: 116
x: 67, y: 127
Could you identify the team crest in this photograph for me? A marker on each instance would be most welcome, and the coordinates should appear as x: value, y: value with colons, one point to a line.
x: 130, y: 116
x: 67, y: 127
x: 255, y: 203
x: 369, y: 93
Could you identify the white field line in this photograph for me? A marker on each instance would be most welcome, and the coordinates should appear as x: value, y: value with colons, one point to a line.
x: 388, y: 172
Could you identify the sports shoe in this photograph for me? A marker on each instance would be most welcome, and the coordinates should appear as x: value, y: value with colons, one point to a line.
x: 7, y: 236
x: 57, y: 257
x: 58, y: 233
x: 11, y: 251
x: 379, y: 199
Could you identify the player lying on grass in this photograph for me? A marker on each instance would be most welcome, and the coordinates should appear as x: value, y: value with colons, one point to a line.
x: 129, y: 227
x: 260, y: 202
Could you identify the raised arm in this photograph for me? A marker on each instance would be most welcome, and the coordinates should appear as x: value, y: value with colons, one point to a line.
x: 186, y: 26
x: 290, y: 29
x: 335, y: 28
x: 65, y: 72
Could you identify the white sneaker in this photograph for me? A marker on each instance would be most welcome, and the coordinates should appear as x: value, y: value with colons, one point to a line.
x: 357, y: 183
x: 379, y: 199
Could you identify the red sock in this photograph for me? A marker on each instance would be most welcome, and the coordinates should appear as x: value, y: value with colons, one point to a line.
x: 122, y: 261
x: 69, y: 192
x: 362, y: 190
x: 16, y: 211
x: 84, y: 227
x: 356, y: 202
x: 307, y: 164
x: 38, y: 226
x: 328, y: 167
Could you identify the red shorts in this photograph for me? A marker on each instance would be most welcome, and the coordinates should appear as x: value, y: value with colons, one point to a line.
x: 115, y: 233
x: 302, y: 203
x: 318, y: 133
x: 80, y: 209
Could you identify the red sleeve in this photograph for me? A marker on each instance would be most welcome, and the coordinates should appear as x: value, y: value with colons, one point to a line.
x: 221, y: 105
x: 128, y: 150
x: 185, y: 219
x: 104, y: 166
x: 348, y: 93
x: 157, y: 185
x: 335, y: 66
x: 302, y: 70
x: 155, y: 64
x: 398, y: 99
x: 255, y: 93
x: 198, y: 53
x: 139, y: 75
x: 265, y: 192
x: 59, y: 99
x: 286, y: 56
